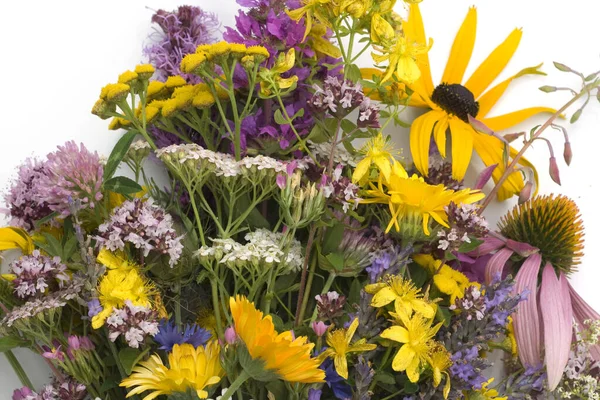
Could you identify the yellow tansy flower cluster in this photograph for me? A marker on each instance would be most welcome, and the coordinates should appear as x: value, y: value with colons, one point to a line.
x: 221, y: 53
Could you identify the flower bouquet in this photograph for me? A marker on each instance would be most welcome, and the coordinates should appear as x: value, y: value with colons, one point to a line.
x: 255, y: 234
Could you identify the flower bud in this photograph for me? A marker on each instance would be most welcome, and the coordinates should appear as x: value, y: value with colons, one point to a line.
x: 525, y: 193
x: 230, y: 335
x: 319, y: 327
x: 554, y: 172
x: 568, y: 153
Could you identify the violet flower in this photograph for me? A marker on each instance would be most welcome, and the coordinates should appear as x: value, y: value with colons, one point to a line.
x: 37, y: 275
x: 181, y: 31
x: 169, y: 335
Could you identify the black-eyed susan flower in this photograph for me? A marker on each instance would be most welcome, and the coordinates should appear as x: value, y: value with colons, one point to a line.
x: 403, y: 293
x: 451, y: 102
x: 189, y: 368
x: 288, y: 357
x: 340, y: 345
x: 416, y: 335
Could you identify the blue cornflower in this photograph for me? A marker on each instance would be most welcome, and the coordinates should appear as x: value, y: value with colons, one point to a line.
x: 169, y: 335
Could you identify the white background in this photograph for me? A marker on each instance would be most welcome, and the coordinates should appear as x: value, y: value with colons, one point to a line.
x: 57, y: 55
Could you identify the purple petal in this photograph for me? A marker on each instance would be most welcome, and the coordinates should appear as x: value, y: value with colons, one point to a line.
x: 557, y: 314
x: 484, y: 177
x: 522, y: 249
x: 526, y: 318
x: 495, y: 266
x: 281, y: 181
x: 490, y: 244
x: 583, y: 312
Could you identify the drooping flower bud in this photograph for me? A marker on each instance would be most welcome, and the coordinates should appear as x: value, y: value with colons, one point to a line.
x: 568, y: 153
x: 554, y: 172
x: 525, y: 193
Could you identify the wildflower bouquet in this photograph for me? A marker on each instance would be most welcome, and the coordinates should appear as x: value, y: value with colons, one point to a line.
x: 288, y: 251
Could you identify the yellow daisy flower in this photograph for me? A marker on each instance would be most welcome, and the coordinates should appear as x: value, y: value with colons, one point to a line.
x: 416, y: 336
x: 287, y: 357
x: 189, y: 368
x: 405, y: 295
x: 339, y: 342
x: 448, y: 280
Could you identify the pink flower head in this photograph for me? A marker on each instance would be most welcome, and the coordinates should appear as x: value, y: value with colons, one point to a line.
x: 230, y: 335
x: 281, y: 181
x: 54, y: 353
x: 319, y: 327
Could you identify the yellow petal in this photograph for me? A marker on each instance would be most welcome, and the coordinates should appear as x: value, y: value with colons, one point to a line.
x: 412, y: 371
x: 494, y: 64
x: 384, y: 297
x: 403, y: 358
x: 383, y: 163
x: 439, y: 134
x: 15, y: 238
x: 351, y: 330
x: 381, y: 30
x: 407, y: 69
x: 415, y: 31
x: 460, y: 55
x: 491, y: 97
x: 397, y: 334
x: 341, y: 365
x: 462, y: 147
x: 446, y: 391
x: 506, y: 121
x: 361, y: 169
x: 420, y: 138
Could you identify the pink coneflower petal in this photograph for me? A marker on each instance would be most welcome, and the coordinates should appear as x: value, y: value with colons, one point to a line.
x: 582, y: 312
x: 489, y: 245
x: 484, y: 177
x: 557, y: 314
x: 496, y: 264
x: 526, y: 319
x: 522, y: 249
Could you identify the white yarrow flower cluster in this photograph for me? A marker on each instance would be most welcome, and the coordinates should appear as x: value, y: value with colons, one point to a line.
x: 262, y: 247
x: 322, y: 151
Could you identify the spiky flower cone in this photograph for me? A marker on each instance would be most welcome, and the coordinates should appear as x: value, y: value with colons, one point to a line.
x: 552, y: 224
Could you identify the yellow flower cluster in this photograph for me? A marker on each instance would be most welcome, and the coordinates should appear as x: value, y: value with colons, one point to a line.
x: 412, y: 202
x: 271, y: 78
x: 448, y: 280
x: 123, y: 281
x: 412, y: 326
x: 189, y: 369
x: 186, y: 97
x: 220, y: 53
x: 113, y: 93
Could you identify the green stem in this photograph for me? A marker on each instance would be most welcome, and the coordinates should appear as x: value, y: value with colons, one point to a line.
x: 215, y: 299
x: 178, y: 304
x: 325, y: 289
x: 235, y: 385
x: 301, y: 290
x: 18, y: 368
x: 384, y: 360
x: 311, y: 275
x: 115, y: 354
x: 393, y: 396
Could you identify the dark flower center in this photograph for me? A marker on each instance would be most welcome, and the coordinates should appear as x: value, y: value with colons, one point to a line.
x: 456, y: 99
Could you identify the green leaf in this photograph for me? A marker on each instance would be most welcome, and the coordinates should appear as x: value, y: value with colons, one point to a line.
x: 385, y: 377
x: 410, y: 387
x: 576, y: 115
x: 353, y: 72
x: 354, y: 293
x: 54, y: 245
x: 46, y: 219
x: 591, y: 77
x: 69, y: 248
x: 130, y: 357
x: 10, y: 342
x: 109, y: 384
x: 333, y: 238
x: 278, y: 116
x: 122, y: 185
x: 336, y: 260
x: 317, y: 134
x: 443, y: 315
x: 348, y: 126
x: 117, y: 154
x: 278, y: 389
x: 418, y: 274
x: 467, y: 247
x: 299, y: 114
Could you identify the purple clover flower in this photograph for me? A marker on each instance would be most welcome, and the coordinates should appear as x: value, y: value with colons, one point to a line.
x: 169, y: 335
x: 71, y: 172
x: 145, y: 226
x: 37, y: 275
x: 181, y: 31
x: 24, y: 198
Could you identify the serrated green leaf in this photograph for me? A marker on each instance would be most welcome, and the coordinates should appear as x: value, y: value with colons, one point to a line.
x: 122, y: 185
x: 117, y: 154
